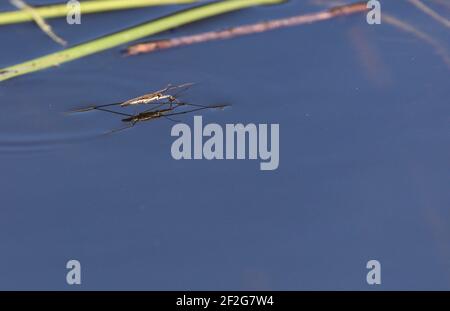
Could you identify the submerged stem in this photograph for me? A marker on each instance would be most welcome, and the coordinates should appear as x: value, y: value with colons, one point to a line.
x: 46, y: 28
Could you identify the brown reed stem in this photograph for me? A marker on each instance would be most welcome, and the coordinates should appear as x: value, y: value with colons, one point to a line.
x: 148, y: 47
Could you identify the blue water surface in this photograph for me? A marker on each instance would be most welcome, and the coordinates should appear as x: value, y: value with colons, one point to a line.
x: 364, y: 158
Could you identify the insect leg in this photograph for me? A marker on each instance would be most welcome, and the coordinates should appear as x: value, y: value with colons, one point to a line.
x: 121, y: 128
x: 115, y: 112
x: 170, y: 119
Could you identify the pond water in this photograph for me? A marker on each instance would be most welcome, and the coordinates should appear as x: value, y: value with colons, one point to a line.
x: 364, y: 146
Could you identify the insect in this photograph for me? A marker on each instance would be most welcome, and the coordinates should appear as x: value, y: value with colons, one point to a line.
x: 149, y: 98
x: 158, y: 95
x: 154, y: 113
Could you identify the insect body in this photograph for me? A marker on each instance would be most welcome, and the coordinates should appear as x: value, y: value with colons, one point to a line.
x: 164, y: 106
x: 150, y: 98
x: 157, y: 96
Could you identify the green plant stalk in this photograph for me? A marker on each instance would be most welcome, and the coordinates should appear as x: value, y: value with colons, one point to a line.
x: 135, y: 33
x: 87, y: 7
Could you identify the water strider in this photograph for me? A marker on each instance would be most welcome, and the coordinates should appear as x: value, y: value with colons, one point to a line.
x: 158, y: 95
x: 150, y: 98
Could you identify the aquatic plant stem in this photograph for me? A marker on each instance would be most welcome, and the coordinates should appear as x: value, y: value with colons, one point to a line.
x: 430, y: 12
x: 42, y: 24
x: 238, y: 31
x: 87, y: 7
x: 135, y: 33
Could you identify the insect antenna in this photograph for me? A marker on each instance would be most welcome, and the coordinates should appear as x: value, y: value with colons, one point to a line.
x: 183, y: 87
x: 120, y: 129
